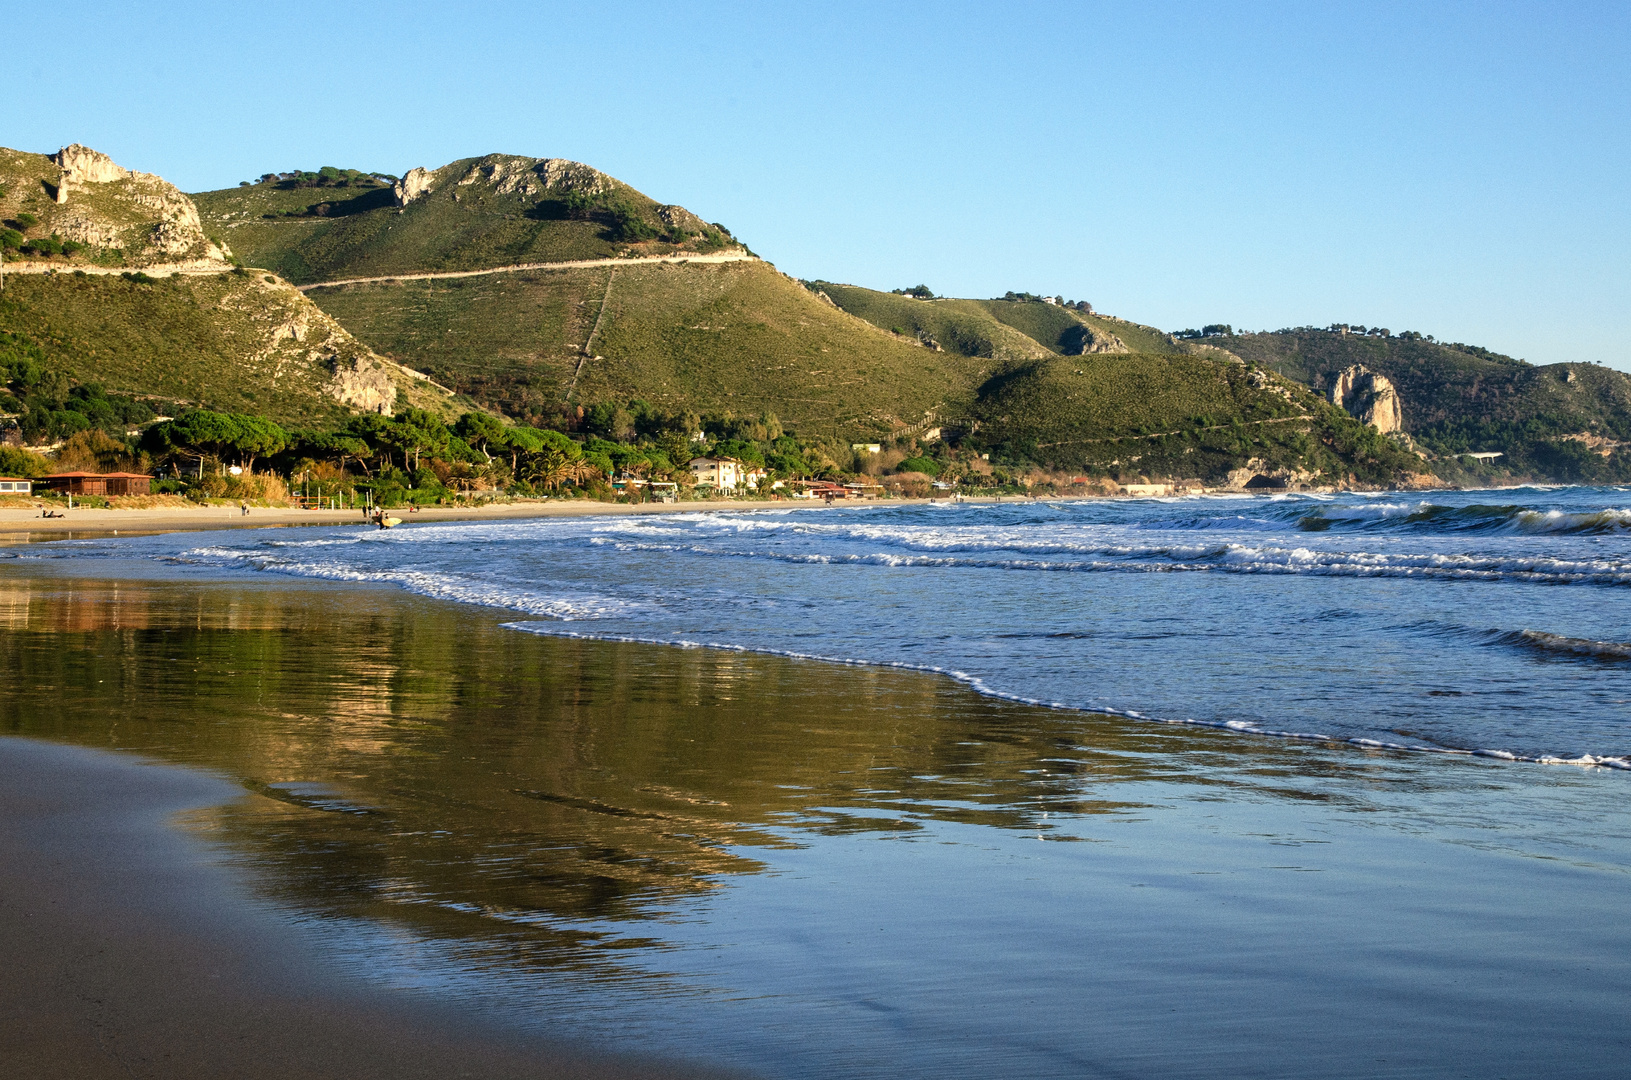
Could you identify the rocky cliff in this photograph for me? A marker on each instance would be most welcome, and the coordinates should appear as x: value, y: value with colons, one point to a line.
x: 1368, y: 397
x: 108, y: 215
x: 193, y: 330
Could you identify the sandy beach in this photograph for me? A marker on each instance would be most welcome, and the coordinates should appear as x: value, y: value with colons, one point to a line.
x: 15, y: 522
x: 128, y: 954
x: 394, y: 835
x: 19, y: 525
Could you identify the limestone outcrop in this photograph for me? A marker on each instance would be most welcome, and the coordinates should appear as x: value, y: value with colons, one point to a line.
x: 82, y: 165
x: 1083, y: 340
x: 507, y: 174
x: 364, y: 384
x: 414, y: 183
x: 1369, y: 398
x: 1257, y: 476
x: 140, y: 219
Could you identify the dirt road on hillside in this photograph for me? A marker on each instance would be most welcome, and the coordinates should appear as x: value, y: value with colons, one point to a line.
x: 573, y: 265
x: 221, y: 268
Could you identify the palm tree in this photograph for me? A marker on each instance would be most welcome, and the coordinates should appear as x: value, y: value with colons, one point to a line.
x: 547, y: 468
x: 580, y: 472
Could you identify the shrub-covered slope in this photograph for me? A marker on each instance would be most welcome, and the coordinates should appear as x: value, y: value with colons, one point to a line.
x: 1176, y: 416
x: 1005, y: 329
x: 1458, y: 398
x: 79, y: 208
x: 227, y: 341
x: 958, y: 326
x: 737, y: 337
x: 472, y: 214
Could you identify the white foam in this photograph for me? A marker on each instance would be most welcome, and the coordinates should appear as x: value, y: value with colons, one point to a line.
x: 1539, y: 639
x: 566, y: 607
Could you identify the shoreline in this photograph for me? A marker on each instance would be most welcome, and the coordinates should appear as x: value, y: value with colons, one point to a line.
x: 20, y: 525
x: 131, y: 951
x: 25, y: 525
x: 126, y: 957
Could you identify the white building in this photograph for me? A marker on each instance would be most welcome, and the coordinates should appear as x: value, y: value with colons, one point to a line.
x: 15, y: 485
x: 725, y: 473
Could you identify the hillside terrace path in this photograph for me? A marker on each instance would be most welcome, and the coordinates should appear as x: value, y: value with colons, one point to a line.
x: 577, y: 264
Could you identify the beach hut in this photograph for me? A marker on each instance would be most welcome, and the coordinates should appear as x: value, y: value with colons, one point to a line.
x: 84, y: 483
x: 15, y: 485
x: 128, y: 483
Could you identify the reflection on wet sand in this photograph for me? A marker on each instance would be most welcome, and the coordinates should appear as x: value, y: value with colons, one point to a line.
x: 824, y: 870
x: 419, y: 763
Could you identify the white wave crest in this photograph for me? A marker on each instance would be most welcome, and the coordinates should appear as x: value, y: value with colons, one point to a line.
x: 566, y: 607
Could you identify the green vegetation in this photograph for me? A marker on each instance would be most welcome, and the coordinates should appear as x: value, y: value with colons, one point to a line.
x: 601, y: 371
x: 484, y: 212
x: 734, y: 338
x: 1126, y: 415
x: 326, y: 177
x: 15, y: 461
x: 417, y: 457
x: 957, y: 326
x: 226, y: 341
x: 1057, y: 328
x: 1459, y: 398
x: 1020, y: 326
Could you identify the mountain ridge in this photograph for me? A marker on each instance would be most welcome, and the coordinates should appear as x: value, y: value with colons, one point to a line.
x: 541, y: 287
x: 121, y: 286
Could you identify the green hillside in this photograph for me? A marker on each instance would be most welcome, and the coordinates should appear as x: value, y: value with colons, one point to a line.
x: 959, y: 326
x: 733, y: 337
x: 832, y: 361
x: 230, y: 341
x: 1175, y: 416
x: 475, y: 213
x: 988, y: 328
x: 1458, y: 398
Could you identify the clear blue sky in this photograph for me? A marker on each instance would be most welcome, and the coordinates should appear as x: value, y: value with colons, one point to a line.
x: 1458, y: 169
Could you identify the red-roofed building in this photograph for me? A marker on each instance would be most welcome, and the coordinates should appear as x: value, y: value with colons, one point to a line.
x: 15, y: 485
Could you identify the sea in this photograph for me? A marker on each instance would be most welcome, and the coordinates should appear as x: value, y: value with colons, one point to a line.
x: 1275, y: 785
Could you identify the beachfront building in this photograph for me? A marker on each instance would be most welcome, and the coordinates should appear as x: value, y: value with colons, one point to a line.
x: 15, y: 485
x: 84, y: 483
x: 725, y: 473
x: 818, y: 489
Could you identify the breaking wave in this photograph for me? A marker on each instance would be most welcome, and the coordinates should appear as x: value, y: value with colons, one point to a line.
x: 440, y: 586
x: 1569, y: 646
x: 1217, y: 558
x: 1430, y: 517
x: 976, y: 577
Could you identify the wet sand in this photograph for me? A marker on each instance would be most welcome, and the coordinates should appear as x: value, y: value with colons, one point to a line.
x: 129, y: 953
x: 814, y: 872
